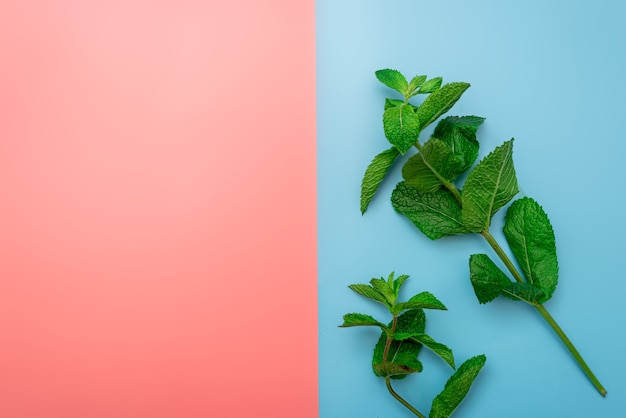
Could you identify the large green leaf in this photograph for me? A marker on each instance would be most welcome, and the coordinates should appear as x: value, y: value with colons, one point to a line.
x: 439, y: 102
x: 393, y: 79
x: 436, y: 214
x: 434, y: 162
x: 402, y: 126
x: 456, y: 388
x: 402, y: 356
x: 487, y: 279
x: 489, y: 186
x: 375, y: 174
x: 530, y: 235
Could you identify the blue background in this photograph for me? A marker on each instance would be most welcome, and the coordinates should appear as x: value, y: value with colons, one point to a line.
x: 552, y: 74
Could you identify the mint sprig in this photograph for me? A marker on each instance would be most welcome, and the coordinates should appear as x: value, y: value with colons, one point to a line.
x: 431, y: 199
x: 401, y: 340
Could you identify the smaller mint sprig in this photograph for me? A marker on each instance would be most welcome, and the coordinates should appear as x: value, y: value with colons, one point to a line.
x: 401, y: 340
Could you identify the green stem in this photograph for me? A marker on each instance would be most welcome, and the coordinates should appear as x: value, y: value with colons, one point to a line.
x: 545, y: 314
x: 402, y: 400
x: 505, y: 258
x: 570, y: 346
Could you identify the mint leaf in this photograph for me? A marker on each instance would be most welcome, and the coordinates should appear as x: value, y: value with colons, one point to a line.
x: 456, y: 388
x: 393, y: 79
x: 487, y: 279
x: 416, y: 82
x: 397, y: 283
x: 431, y: 85
x: 440, y: 349
x: 402, y: 126
x: 424, y: 300
x: 393, y: 103
x: 439, y: 102
x: 489, y: 186
x: 375, y: 174
x: 459, y: 134
x: 359, y: 319
x: 370, y: 293
x: 436, y: 214
x: 530, y: 235
x: 385, y: 289
x: 424, y: 170
x: 526, y: 292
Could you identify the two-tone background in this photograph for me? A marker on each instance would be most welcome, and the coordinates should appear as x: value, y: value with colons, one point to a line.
x: 179, y: 216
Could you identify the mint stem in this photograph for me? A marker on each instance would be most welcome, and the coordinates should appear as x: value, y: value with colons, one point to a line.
x: 570, y: 346
x: 402, y: 400
x: 545, y: 314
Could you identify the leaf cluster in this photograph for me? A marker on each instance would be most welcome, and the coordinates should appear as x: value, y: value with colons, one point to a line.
x: 430, y: 196
x: 401, y: 340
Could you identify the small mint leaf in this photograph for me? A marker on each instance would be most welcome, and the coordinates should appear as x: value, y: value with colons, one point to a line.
x: 439, y: 102
x: 456, y: 388
x: 397, y: 283
x: 530, y: 235
x: 440, y: 349
x: 487, y: 279
x: 416, y: 82
x: 424, y: 300
x: 393, y: 103
x: 385, y: 289
x: 436, y: 214
x: 489, y: 186
x: 394, y: 80
x: 359, y: 319
x: 402, y: 126
x: 431, y: 85
x: 370, y: 293
x: 424, y: 170
x: 375, y: 174
x: 459, y: 134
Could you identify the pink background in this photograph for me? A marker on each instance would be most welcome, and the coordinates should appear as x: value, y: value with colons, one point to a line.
x: 157, y: 219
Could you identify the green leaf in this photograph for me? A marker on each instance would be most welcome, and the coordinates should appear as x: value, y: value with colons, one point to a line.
x: 402, y: 354
x: 385, y: 289
x: 370, y: 293
x: 393, y: 102
x: 393, y: 79
x: 359, y: 319
x: 431, y: 85
x: 459, y: 134
x: 416, y: 82
x: 375, y: 174
x: 439, y: 102
x: 530, y: 235
x: 402, y: 126
x: 526, y: 292
x: 397, y: 283
x: 440, y: 349
x: 424, y: 300
x: 489, y: 186
x: 435, y: 161
x: 487, y: 279
x: 456, y: 388
x: 436, y: 214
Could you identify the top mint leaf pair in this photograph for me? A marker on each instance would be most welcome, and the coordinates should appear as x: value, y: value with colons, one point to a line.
x: 403, y: 121
x: 418, y: 84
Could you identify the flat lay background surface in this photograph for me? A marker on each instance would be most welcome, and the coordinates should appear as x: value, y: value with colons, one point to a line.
x: 157, y: 218
x: 550, y: 74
